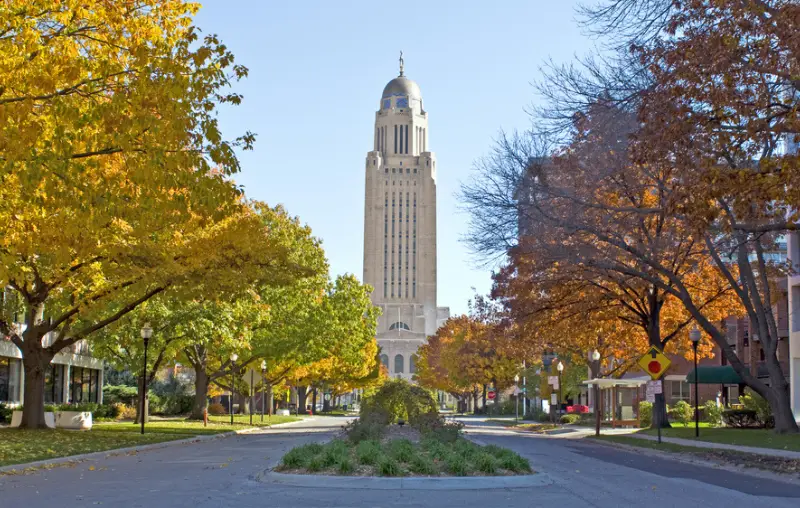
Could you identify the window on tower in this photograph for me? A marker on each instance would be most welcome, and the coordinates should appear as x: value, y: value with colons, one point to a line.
x: 402, y: 102
x: 387, y: 103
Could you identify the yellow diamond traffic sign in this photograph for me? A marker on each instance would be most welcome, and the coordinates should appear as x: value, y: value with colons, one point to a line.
x: 654, y: 362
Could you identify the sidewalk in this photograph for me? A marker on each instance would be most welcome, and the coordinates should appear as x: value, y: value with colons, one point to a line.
x: 772, y: 452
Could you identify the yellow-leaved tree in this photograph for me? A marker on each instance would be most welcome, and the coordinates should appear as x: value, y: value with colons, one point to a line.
x: 113, y: 171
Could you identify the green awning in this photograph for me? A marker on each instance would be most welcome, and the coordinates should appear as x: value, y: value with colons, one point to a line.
x: 716, y: 375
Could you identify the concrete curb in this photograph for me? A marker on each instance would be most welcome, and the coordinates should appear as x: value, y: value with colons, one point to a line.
x: 75, y: 459
x: 414, y: 483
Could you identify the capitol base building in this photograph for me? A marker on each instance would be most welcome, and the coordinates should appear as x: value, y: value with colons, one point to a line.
x: 400, y: 226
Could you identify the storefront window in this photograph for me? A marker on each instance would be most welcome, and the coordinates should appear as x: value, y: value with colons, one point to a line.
x: 84, y: 385
x: 54, y: 384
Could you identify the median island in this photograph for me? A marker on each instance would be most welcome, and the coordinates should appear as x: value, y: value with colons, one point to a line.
x: 400, y: 433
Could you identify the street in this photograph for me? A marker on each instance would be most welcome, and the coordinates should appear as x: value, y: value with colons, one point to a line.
x: 224, y: 472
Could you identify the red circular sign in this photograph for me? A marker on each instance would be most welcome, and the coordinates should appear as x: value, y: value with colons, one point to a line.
x: 490, y: 395
x: 654, y: 366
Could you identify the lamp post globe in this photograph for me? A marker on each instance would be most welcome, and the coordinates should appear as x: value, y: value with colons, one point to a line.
x: 234, y: 357
x: 694, y: 336
x: 146, y: 332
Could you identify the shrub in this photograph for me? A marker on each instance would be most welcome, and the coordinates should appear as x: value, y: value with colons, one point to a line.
x: 421, y: 464
x: 217, y: 409
x: 465, y: 449
x: 126, y: 412
x: 570, y: 419
x: 400, y: 400
x: 740, y: 418
x: 712, y: 413
x: 389, y: 467
x: 486, y: 463
x: 435, y: 448
x: 5, y: 413
x: 577, y: 408
x: 682, y: 413
x: 645, y: 414
x: 755, y: 402
x: 537, y: 415
x: 358, y: 430
x: 368, y: 453
x: 120, y: 393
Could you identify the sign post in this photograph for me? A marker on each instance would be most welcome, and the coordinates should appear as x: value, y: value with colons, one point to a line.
x: 655, y: 363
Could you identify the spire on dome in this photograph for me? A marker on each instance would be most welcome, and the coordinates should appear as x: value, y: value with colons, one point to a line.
x: 401, y: 63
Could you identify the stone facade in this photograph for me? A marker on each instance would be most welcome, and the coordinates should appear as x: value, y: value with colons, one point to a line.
x: 400, y: 226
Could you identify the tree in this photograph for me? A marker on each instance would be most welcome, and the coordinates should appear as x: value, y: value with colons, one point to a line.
x: 112, y: 169
x: 462, y: 357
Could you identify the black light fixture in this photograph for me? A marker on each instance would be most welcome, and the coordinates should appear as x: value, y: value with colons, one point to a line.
x: 146, y: 332
x: 694, y: 335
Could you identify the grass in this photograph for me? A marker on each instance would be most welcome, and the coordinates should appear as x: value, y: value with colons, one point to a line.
x: 19, y: 446
x: 401, y: 457
x: 760, y: 438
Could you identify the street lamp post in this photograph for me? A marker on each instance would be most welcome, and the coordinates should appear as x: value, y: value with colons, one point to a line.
x: 516, y: 386
x: 263, y: 387
x: 694, y: 335
x: 234, y: 357
x: 147, y: 332
x: 560, y: 368
x: 596, y: 360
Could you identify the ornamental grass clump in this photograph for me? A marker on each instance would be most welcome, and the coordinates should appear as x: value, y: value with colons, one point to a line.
x: 515, y: 463
x: 401, y: 449
x: 345, y: 465
x: 368, y: 453
x: 457, y: 465
x: 389, y: 467
x: 486, y: 463
x: 421, y: 464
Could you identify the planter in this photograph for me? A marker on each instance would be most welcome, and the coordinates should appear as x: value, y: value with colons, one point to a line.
x: 74, y: 420
x: 282, y: 412
x: 16, y: 419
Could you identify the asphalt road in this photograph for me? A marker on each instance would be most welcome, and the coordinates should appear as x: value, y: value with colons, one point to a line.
x: 224, y: 472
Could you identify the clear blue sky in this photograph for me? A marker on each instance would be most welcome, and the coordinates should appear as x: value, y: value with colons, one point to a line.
x: 317, y: 70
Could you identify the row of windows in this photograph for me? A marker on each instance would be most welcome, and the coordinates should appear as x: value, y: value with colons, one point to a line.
x: 399, y: 363
x: 400, y: 170
x: 401, y: 140
x: 84, y: 383
x: 396, y: 256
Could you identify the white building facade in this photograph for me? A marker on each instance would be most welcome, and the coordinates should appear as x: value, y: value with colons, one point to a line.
x: 400, y: 226
x: 793, y: 253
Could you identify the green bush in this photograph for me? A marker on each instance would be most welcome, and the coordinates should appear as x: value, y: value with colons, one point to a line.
x: 389, y: 467
x: 217, y: 409
x: 5, y: 413
x: 682, y: 413
x: 570, y: 419
x: 400, y: 400
x: 124, y: 394
x: 645, y: 414
x: 513, y: 462
x: 712, y: 413
x: 335, y: 452
x: 755, y: 402
x: 296, y: 458
x: 316, y: 463
x: 740, y: 418
x: 359, y: 430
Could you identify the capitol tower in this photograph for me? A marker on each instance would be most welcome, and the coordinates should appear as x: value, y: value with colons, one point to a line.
x: 400, y: 226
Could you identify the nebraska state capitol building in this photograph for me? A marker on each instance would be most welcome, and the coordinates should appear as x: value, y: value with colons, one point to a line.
x: 400, y: 226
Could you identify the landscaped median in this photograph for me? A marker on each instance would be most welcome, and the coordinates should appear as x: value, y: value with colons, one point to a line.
x: 399, y: 433
x: 21, y: 446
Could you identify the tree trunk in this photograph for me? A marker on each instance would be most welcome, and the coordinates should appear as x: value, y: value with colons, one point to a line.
x: 780, y: 401
x: 270, y: 400
x: 474, y: 401
x: 139, y: 402
x: 244, y: 403
x: 302, y: 395
x: 200, y: 394
x: 314, y: 401
x: 483, y: 402
x: 34, y: 363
